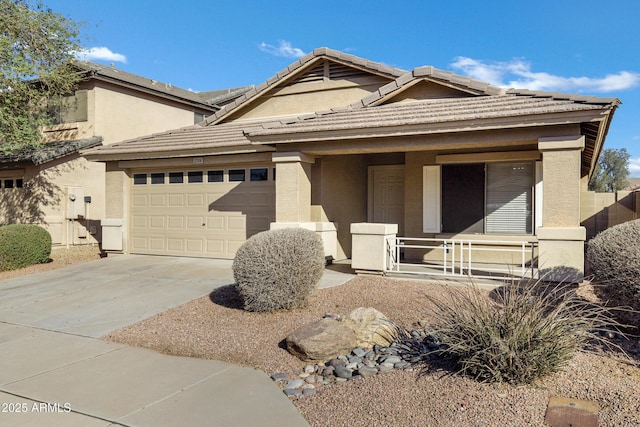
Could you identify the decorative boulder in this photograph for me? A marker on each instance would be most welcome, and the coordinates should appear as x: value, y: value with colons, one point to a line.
x: 370, y: 327
x: 321, y: 340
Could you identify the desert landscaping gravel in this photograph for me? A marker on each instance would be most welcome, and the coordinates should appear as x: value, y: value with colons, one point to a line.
x: 216, y: 327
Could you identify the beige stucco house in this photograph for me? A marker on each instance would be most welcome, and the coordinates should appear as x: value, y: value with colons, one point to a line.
x: 56, y: 187
x: 356, y: 149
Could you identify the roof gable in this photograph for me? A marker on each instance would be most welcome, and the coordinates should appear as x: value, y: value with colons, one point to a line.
x: 321, y: 80
x: 427, y: 83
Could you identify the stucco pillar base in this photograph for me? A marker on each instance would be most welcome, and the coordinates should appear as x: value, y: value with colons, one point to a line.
x: 561, y: 253
x: 112, y: 234
x: 326, y: 230
x: 369, y: 246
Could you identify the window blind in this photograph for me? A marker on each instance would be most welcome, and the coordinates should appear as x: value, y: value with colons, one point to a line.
x: 509, y: 197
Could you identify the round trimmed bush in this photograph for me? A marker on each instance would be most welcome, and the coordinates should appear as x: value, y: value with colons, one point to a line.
x: 22, y: 245
x: 614, y: 260
x: 278, y: 269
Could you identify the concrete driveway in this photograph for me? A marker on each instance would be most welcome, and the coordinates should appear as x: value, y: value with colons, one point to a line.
x: 56, y: 372
x: 95, y: 298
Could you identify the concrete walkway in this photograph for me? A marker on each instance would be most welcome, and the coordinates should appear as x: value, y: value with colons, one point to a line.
x: 56, y: 372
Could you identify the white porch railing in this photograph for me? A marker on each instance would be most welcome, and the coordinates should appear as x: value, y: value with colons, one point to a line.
x: 460, y: 257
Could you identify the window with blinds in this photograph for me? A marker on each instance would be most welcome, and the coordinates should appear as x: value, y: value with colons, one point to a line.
x: 509, y: 198
x: 491, y: 198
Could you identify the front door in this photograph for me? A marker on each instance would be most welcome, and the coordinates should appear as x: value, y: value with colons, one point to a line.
x: 386, y: 195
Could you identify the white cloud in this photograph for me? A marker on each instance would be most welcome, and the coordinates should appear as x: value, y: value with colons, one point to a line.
x: 101, y: 54
x: 283, y: 49
x: 634, y: 167
x: 518, y: 73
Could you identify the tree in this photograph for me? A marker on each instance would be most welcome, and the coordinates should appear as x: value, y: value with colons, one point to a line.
x: 611, y: 172
x: 37, y: 48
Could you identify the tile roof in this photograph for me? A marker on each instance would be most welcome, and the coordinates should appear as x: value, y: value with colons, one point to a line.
x: 205, y: 138
x: 207, y: 100
x: 222, y: 96
x: 49, y: 151
x: 487, y: 107
x: 432, y: 111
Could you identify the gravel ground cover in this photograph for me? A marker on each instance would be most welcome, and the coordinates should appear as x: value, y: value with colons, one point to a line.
x: 216, y: 327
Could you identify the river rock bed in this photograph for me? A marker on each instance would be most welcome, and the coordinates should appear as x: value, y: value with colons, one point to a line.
x: 413, y: 348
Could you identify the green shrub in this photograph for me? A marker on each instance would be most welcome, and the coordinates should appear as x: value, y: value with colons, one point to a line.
x: 614, y: 260
x: 520, y: 337
x: 278, y: 269
x: 22, y: 245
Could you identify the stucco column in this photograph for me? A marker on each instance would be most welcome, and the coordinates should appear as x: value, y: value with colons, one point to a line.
x: 561, y: 238
x: 114, y: 225
x: 293, y: 186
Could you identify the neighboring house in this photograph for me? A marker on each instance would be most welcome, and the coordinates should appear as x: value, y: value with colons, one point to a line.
x: 336, y: 140
x: 54, y: 186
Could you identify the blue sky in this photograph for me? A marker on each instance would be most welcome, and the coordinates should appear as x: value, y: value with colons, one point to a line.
x: 571, y: 46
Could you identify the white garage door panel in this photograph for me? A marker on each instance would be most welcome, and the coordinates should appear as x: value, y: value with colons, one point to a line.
x: 175, y: 222
x: 140, y: 221
x: 199, y: 219
x: 195, y: 200
x: 156, y: 221
x: 140, y: 200
x: 139, y: 244
x: 215, y: 223
x: 157, y: 200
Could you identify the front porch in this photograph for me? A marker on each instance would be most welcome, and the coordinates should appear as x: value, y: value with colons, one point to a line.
x: 480, y: 214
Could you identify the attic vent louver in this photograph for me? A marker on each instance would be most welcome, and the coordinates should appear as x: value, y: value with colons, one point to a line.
x: 329, y: 70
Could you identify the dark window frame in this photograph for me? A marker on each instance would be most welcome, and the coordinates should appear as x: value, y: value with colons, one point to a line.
x: 217, y: 173
x: 195, y: 177
x: 233, y: 174
x: 175, y: 175
x: 263, y: 174
x: 137, y: 179
x: 156, y: 175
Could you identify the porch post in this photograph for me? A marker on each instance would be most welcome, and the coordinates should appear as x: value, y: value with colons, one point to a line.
x: 369, y: 248
x: 293, y: 186
x: 561, y: 238
x: 293, y: 199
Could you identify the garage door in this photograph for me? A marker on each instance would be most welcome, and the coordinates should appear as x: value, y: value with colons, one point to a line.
x: 200, y: 213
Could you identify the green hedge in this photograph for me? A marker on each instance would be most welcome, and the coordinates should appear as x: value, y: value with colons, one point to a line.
x: 22, y: 245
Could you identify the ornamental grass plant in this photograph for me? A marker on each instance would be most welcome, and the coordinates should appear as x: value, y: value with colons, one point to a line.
x: 524, y: 332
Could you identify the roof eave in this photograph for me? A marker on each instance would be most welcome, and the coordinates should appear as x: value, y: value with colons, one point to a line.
x: 281, y: 135
x: 116, y: 155
x: 602, y: 135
